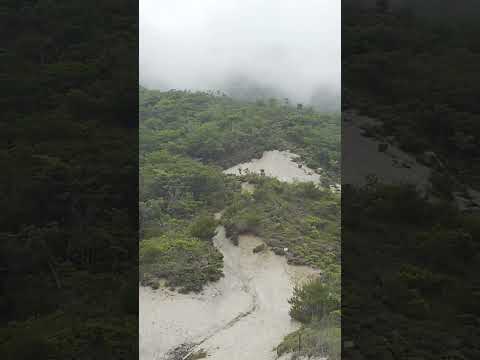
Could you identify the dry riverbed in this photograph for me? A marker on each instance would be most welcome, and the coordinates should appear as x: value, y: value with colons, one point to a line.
x: 245, y: 313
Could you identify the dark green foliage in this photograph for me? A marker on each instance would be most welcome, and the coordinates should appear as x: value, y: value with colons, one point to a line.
x: 410, y: 288
x: 68, y: 228
x: 417, y: 75
x: 29, y: 348
x: 422, y: 281
x: 418, y: 294
x: 183, y: 262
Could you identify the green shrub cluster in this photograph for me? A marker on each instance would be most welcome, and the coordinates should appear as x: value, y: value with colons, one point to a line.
x: 317, y: 305
x: 220, y: 130
x: 299, y: 216
x: 184, y: 262
x: 423, y: 282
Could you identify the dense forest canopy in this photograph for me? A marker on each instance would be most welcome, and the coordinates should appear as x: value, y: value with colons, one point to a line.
x: 419, y: 298
x: 402, y: 68
x: 218, y: 129
x: 69, y: 171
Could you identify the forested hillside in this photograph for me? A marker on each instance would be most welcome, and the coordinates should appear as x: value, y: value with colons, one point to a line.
x: 186, y: 140
x: 403, y: 69
x: 419, y: 298
x: 68, y: 285
x: 216, y: 129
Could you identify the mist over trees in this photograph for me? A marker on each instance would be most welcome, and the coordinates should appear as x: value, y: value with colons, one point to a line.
x: 248, y: 50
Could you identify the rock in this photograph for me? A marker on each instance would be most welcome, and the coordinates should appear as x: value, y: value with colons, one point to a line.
x: 293, y: 260
x: 259, y: 248
x: 275, y: 243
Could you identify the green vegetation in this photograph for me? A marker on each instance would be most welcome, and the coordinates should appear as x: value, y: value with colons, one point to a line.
x: 175, y: 189
x: 219, y: 130
x: 318, y: 339
x: 183, y: 261
x: 178, y: 199
x: 418, y: 294
x: 305, y: 220
x: 300, y: 217
x: 316, y: 305
x: 423, y: 282
x: 186, y: 139
x: 403, y: 70
x: 315, y: 300
x: 68, y: 229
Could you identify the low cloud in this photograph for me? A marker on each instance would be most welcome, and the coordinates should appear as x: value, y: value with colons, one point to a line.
x: 291, y: 47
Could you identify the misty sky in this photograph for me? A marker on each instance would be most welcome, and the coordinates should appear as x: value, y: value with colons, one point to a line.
x: 290, y: 45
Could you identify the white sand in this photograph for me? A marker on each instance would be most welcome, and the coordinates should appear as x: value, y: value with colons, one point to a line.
x: 277, y: 164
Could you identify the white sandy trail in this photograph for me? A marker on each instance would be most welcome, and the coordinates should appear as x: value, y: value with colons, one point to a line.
x: 271, y: 280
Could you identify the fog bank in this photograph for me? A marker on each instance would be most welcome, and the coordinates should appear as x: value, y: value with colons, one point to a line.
x: 286, y: 48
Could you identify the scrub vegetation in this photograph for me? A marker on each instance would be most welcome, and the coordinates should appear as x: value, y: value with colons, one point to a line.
x: 187, y: 139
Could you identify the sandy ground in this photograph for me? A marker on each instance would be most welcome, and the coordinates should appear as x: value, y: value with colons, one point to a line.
x: 245, y: 313
x: 168, y: 319
x: 270, y: 281
x: 278, y: 164
x: 289, y: 357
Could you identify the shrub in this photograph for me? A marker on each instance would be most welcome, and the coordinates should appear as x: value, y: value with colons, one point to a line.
x: 204, y: 227
x: 313, y: 301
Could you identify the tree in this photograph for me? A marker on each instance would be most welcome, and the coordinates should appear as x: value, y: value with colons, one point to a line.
x: 314, y: 300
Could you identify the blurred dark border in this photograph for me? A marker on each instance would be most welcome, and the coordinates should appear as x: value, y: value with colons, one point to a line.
x: 410, y: 250
x: 69, y: 189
